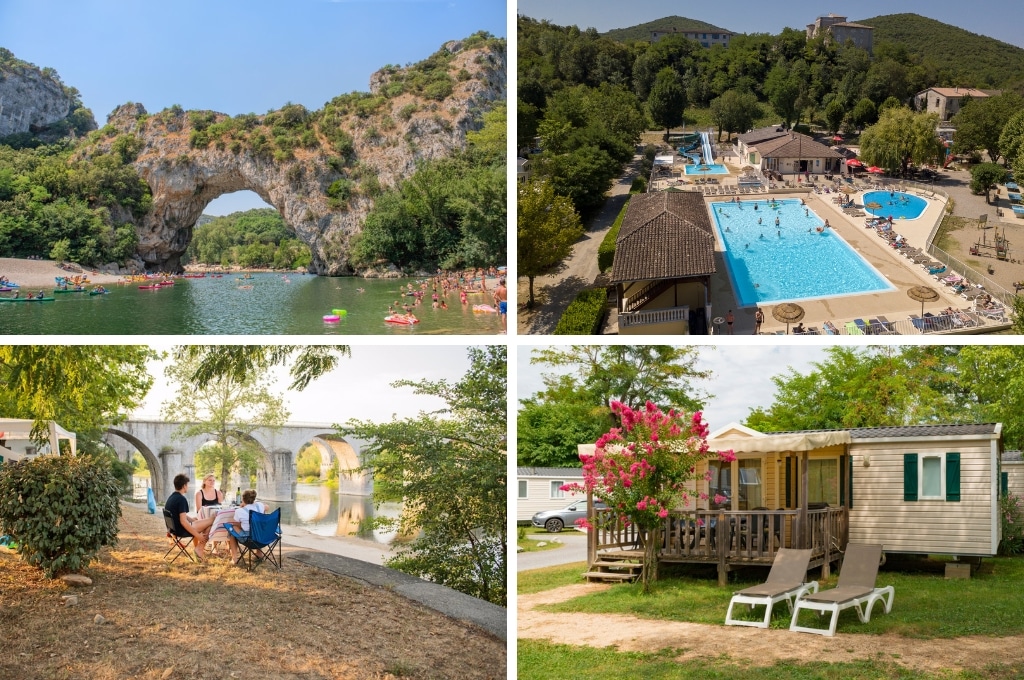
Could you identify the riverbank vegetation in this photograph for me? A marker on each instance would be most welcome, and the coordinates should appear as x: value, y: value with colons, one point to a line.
x: 257, y: 238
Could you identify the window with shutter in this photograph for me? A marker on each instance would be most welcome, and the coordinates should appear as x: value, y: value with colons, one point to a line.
x: 910, y: 476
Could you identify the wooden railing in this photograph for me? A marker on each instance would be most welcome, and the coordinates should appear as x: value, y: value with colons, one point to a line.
x: 728, y: 538
x: 654, y: 316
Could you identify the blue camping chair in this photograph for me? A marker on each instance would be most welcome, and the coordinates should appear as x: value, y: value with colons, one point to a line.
x: 264, y: 537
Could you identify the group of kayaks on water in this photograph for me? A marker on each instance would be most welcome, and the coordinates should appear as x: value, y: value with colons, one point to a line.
x: 64, y: 285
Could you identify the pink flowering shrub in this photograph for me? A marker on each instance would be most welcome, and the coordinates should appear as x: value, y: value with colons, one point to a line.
x: 1011, y: 511
x: 642, y: 469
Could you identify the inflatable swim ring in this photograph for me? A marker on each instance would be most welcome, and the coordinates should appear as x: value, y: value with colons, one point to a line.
x: 331, y: 318
x: 483, y: 309
x: 339, y: 312
x: 399, y: 318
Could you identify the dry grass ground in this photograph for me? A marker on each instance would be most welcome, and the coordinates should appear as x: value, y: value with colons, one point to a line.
x: 215, y: 620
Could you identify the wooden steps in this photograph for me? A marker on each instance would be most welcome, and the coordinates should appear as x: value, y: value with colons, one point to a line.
x: 615, y: 568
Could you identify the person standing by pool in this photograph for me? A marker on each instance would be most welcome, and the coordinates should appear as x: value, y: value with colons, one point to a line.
x: 758, y: 320
x: 729, y: 318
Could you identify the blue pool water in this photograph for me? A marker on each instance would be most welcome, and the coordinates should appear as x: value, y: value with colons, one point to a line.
x: 792, y: 261
x: 898, y: 204
x: 712, y: 169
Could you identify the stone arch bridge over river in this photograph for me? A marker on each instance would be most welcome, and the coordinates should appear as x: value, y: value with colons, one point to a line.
x: 167, y: 455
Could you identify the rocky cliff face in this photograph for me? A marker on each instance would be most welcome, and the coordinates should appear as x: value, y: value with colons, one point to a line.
x: 320, y: 169
x: 29, y: 99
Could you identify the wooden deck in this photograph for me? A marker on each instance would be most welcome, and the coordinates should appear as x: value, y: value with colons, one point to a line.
x: 724, y: 538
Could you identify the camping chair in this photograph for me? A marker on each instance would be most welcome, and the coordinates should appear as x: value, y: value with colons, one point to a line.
x: 179, y: 537
x: 785, y: 582
x: 264, y: 537
x: 856, y: 588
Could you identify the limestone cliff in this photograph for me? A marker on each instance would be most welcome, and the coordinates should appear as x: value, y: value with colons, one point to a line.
x: 32, y: 99
x: 320, y: 169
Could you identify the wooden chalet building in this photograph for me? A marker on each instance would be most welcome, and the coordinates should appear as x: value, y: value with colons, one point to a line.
x: 664, y: 259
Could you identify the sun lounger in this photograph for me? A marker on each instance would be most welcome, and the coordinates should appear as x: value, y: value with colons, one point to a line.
x: 785, y: 582
x: 919, y: 323
x: 851, y: 329
x: 862, y: 327
x: 879, y: 327
x: 830, y: 328
x: 856, y: 588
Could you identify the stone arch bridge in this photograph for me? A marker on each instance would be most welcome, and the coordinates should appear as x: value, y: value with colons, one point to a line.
x: 167, y: 455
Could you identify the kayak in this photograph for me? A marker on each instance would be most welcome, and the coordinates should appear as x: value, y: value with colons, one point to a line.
x: 27, y: 299
x: 99, y: 292
x: 400, y: 319
x: 69, y: 290
x: 153, y: 286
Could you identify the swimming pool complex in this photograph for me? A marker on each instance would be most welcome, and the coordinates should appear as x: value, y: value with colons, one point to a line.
x: 898, y: 204
x: 791, y: 261
x: 712, y: 169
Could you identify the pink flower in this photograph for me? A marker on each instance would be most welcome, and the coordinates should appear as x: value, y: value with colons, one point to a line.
x: 726, y: 456
x: 663, y: 513
x: 641, y: 505
x: 719, y: 499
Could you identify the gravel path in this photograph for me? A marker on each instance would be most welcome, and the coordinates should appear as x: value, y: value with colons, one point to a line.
x: 554, y: 291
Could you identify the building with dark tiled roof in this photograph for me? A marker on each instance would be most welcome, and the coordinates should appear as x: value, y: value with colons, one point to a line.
x: 839, y: 29
x: 664, y: 259
x: 788, y: 153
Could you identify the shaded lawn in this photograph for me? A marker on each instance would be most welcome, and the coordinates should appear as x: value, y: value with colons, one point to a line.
x: 546, y: 661
x: 926, y: 604
x: 215, y: 620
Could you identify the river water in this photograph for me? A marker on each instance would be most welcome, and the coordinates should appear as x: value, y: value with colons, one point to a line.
x: 266, y: 304
x: 321, y: 510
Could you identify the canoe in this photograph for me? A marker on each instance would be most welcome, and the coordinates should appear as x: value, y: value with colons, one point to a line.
x: 69, y: 290
x: 99, y: 292
x: 153, y: 286
x: 400, y: 319
x: 27, y: 299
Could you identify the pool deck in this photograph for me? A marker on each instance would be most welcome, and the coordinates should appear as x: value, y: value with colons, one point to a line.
x: 896, y: 306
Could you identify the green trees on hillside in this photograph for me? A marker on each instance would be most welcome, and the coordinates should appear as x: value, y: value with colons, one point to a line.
x: 255, y: 238
x: 451, y: 213
x: 84, y: 207
x: 980, y: 123
x: 901, y: 136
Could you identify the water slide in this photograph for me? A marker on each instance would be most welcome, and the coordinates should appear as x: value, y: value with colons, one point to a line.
x: 705, y: 140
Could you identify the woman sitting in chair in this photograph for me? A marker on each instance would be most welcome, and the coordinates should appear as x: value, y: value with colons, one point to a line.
x: 241, y: 520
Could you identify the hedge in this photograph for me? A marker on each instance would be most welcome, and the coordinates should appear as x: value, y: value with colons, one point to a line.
x: 606, y: 251
x: 584, y: 314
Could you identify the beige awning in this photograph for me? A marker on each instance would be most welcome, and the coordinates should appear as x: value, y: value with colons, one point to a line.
x: 774, y: 443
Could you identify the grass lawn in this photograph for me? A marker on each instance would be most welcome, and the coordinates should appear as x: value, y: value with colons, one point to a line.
x: 543, y: 661
x: 926, y: 604
x: 533, y: 545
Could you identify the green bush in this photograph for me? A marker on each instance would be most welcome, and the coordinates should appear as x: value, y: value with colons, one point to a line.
x: 60, y: 509
x: 584, y: 314
x: 638, y: 186
x: 606, y: 251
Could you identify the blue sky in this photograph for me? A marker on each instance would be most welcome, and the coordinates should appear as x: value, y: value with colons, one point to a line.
x: 995, y: 18
x: 741, y: 375
x: 232, y: 56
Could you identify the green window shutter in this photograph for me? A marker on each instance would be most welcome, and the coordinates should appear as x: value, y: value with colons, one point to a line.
x: 789, y: 483
x: 910, y: 476
x: 953, y: 477
x: 1004, y: 484
x: 849, y: 503
x: 842, y: 481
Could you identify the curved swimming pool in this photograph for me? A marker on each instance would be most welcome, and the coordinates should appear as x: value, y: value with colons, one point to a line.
x: 790, y: 261
x: 900, y: 205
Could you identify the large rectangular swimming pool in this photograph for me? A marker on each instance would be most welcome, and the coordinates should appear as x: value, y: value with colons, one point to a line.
x: 781, y: 251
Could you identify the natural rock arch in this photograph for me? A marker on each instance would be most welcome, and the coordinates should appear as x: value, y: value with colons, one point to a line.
x: 324, y: 187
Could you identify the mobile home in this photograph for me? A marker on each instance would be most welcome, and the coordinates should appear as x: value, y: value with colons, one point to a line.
x: 540, y: 489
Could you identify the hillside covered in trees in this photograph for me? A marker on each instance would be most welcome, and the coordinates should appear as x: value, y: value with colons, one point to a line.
x: 253, y: 239
x: 643, y: 31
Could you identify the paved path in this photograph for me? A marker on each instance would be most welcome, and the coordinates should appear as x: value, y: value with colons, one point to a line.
x: 556, y: 290
x: 574, y: 549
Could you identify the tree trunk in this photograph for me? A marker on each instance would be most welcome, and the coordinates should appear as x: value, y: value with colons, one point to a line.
x: 650, y: 571
x: 529, y: 304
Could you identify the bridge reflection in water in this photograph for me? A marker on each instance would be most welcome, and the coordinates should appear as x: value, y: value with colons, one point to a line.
x: 321, y: 510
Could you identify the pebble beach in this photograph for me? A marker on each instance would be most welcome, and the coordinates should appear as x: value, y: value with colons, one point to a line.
x: 35, y: 274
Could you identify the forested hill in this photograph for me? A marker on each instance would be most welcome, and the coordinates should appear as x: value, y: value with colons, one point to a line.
x: 643, y: 31
x: 961, y: 57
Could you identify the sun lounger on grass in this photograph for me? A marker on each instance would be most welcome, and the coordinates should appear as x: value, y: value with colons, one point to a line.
x: 856, y: 588
x: 785, y: 582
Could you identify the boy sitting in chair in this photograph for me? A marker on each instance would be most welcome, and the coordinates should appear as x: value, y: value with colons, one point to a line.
x: 241, y: 520
x: 177, y: 505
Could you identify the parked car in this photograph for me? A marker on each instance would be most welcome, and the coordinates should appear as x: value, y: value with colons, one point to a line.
x: 556, y: 520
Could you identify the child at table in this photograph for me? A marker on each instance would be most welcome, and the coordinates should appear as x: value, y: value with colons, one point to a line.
x: 241, y: 519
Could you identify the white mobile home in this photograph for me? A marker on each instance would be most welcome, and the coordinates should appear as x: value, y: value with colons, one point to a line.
x: 1013, y: 473
x: 539, y: 489
x: 16, y: 441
